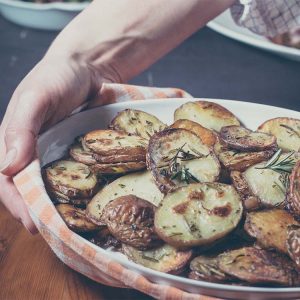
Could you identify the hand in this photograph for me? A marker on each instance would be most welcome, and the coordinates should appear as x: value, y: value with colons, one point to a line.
x: 48, y: 94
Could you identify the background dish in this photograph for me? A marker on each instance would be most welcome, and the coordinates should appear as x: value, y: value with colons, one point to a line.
x: 47, y: 16
x: 225, y: 25
x: 54, y: 143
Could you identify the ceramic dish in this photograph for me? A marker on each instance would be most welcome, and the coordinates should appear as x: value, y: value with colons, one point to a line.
x: 225, y: 25
x: 47, y: 16
x: 54, y: 143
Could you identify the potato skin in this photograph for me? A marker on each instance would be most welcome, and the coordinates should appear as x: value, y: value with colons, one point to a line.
x: 118, y: 168
x: 103, y: 239
x: 293, y: 243
x: 207, y: 136
x: 269, y: 227
x: 241, y: 138
x: 76, y: 219
x: 258, y: 266
x: 83, y: 156
x: 293, y: 197
x: 131, y: 220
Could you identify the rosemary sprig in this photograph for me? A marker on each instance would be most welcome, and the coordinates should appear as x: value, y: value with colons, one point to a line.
x: 174, y: 170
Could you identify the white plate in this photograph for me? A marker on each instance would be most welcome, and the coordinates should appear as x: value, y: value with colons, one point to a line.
x: 47, y: 16
x: 53, y: 144
x: 225, y: 25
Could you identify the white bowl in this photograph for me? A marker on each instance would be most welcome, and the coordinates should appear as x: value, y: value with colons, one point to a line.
x: 54, y: 143
x: 48, y: 16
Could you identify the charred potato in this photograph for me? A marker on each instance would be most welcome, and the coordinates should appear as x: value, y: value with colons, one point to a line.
x: 208, y: 114
x: 269, y: 227
x: 140, y: 184
x: 258, y: 266
x: 177, y: 157
x: 201, y: 214
x: 112, y: 142
x: 293, y: 197
x: 75, y: 218
x: 165, y: 259
x: 241, y: 138
x: 118, y: 168
x: 70, y: 178
x: 116, y: 159
x: 286, y: 131
x: 240, y: 161
x: 208, y: 137
x: 206, y: 268
x: 103, y: 238
x: 137, y: 122
x: 131, y: 220
x: 293, y: 243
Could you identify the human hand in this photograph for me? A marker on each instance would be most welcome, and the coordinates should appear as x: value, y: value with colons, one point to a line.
x: 49, y: 93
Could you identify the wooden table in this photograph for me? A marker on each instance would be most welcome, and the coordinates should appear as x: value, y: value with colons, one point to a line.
x: 30, y: 270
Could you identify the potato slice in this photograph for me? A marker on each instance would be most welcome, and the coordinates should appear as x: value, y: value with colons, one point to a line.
x: 103, y: 159
x: 241, y: 138
x: 206, y: 268
x: 137, y: 122
x: 58, y: 197
x: 83, y: 156
x: 112, y: 142
x: 286, y: 131
x: 198, y: 214
x: 293, y: 198
x: 177, y: 157
x: 140, y: 184
x: 240, y: 161
x: 269, y: 227
x: 103, y: 239
x: 118, y: 168
x: 208, y: 114
x: 293, y: 243
x: 164, y: 259
x: 75, y: 218
x: 131, y: 220
x: 258, y: 266
x: 71, y: 178
x: 208, y: 137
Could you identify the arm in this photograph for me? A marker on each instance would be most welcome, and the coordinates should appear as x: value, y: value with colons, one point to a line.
x: 111, y: 41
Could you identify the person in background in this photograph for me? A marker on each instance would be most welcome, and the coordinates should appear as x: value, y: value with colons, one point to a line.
x: 110, y: 41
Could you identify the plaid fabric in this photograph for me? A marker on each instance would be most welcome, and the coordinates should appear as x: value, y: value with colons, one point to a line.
x: 72, y: 249
x: 267, y: 17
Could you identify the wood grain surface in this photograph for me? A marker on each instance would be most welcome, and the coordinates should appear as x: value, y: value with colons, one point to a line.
x: 30, y: 270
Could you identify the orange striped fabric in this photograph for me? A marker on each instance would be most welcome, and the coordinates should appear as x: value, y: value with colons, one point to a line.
x: 72, y: 249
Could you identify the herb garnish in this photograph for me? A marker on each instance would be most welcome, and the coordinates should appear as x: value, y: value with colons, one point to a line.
x: 174, y: 170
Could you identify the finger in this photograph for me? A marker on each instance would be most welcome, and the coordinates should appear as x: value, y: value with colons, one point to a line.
x: 12, y: 200
x: 21, y: 132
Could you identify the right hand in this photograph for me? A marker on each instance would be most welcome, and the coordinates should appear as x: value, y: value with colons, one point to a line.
x: 48, y: 94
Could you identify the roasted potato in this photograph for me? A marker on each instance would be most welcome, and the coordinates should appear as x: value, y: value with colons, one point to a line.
x: 258, y: 266
x: 58, y: 197
x: 131, y: 220
x: 206, y: 268
x: 83, y: 156
x: 293, y: 197
x: 177, y: 157
x: 269, y: 227
x: 137, y: 122
x: 103, y: 238
x: 70, y: 178
x: 293, y: 243
x: 75, y: 218
x: 165, y: 259
x: 240, y: 161
x: 207, y: 136
x: 286, y: 131
x: 201, y: 214
x: 139, y: 158
x: 118, y: 168
x: 208, y: 114
x: 140, y: 184
x: 243, y: 139
x: 112, y: 142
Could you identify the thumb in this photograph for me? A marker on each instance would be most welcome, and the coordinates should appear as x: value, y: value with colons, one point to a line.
x: 21, y: 134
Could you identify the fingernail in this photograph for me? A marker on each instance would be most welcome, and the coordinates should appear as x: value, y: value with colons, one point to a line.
x: 9, y: 158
